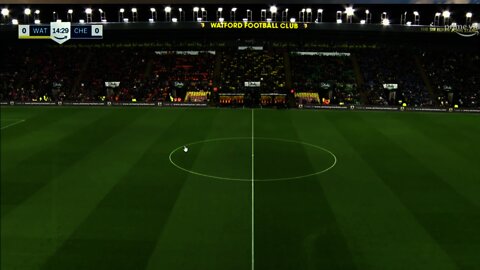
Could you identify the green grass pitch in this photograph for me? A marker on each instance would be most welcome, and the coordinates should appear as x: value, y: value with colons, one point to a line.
x: 94, y: 188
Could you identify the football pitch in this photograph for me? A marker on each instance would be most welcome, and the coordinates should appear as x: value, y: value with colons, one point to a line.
x: 157, y: 188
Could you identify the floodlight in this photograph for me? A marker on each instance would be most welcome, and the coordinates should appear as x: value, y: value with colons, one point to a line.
x: 174, y: 20
x: 446, y: 14
x: 415, y: 13
x: 168, y: 9
x: 339, y: 20
x: 309, y: 10
x: 81, y: 21
x: 122, y: 10
x: 292, y: 20
x: 367, y: 11
x: 5, y: 12
x: 221, y: 19
x: 273, y: 9
x: 234, y: 9
x: 37, y: 21
x: 409, y: 23
x: 220, y: 9
x: 27, y: 11
x: 320, y: 10
x: 88, y: 10
x: 14, y: 21
x: 437, y: 14
x: 125, y: 20
x: 349, y: 11
x: 180, y: 9
x: 100, y: 10
x: 70, y: 11
x: 303, y: 10
x: 196, y: 9
x: 58, y: 20
x: 469, y: 15
x: 151, y: 20
x: 385, y: 21
x: 362, y: 21
x: 37, y: 11
x: 153, y: 9
x: 202, y: 9
x: 134, y: 10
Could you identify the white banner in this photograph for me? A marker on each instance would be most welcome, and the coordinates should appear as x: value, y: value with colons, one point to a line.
x: 252, y: 84
x: 112, y: 84
x: 253, y: 48
x: 390, y: 86
x: 321, y: 53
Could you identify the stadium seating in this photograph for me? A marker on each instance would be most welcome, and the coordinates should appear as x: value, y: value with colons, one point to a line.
x: 240, y: 66
x: 371, y: 76
x: 331, y: 75
x: 455, y: 77
x: 382, y: 67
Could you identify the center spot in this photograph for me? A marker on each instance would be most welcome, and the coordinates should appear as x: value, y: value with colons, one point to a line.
x: 274, y: 159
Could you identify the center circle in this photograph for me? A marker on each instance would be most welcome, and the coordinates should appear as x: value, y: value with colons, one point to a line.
x: 260, y: 158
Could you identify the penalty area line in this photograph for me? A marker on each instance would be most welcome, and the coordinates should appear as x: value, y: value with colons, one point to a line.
x: 12, y: 124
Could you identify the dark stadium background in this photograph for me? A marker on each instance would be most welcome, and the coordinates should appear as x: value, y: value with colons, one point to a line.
x: 94, y: 183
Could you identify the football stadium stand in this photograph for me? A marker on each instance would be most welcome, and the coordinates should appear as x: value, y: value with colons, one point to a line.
x: 414, y: 63
x: 385, y: 77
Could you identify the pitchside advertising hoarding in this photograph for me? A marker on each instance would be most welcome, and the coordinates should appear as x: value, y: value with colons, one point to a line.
x: 60, y: 32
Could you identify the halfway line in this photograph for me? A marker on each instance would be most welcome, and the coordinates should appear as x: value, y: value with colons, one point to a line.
x: 253, y: 192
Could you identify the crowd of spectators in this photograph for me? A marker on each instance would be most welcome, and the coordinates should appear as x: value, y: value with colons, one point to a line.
x: 265, y: 67
x: 332, y: 76
x: 376, y: 76
x: 455, y: 77
x: 100, y: 74
x: 38, y: 74
x: 381, y: 67
x: 178, y: 72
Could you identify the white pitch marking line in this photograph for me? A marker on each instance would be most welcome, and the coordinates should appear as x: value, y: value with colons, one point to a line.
x: 12, y: 124
x: 248, y: 179
x: 253, y: 191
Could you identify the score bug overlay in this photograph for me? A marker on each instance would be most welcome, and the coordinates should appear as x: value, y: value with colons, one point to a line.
x: 60, y: 32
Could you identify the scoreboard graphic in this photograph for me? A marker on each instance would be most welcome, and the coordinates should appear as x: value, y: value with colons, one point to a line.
x: 60, y: 32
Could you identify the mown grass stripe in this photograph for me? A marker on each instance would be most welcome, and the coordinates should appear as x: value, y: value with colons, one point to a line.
x: 33, y: 229
x: 449, y: 218
x: 295, y: 224
x: 21, y: 181
x: 121, y: 232
x: 209, y: 226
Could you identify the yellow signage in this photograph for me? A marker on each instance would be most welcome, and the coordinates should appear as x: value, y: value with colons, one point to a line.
x: 254, y: 25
